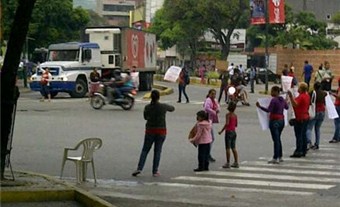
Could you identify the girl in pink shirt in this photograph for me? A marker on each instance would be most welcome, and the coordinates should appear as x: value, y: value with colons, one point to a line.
x: 203, y: 139
x: 230, y: 135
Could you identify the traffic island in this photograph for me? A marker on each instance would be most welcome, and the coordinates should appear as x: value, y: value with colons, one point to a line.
x: 163, y: 90
x: 31, y: 187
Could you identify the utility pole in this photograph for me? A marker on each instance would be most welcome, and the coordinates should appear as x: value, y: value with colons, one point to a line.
x: 266, y: 45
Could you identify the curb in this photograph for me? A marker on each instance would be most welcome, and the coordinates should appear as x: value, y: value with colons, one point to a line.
x: 163, y: 90
x: 43, y: 194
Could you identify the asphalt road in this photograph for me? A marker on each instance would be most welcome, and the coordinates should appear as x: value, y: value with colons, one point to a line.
x: 43, y: 130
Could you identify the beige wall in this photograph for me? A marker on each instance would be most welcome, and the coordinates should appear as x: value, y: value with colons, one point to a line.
x: 298, y: 57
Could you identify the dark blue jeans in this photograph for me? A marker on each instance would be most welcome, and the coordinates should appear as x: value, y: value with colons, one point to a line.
x: 276, y: 127
x: 149, y: 139
x: 181, y: 88
x: 300, y: 129
x: 203, y: 156
x: 315, y: 123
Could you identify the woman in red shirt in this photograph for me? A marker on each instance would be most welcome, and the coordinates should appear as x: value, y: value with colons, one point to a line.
x: 300, y: 105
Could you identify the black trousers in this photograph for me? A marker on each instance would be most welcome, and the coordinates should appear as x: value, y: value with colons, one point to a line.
x: 203, y: 156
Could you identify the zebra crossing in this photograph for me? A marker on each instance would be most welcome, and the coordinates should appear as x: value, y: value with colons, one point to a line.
x: 304, y: 176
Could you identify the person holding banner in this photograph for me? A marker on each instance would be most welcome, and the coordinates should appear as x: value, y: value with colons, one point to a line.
x: 316, y: 122
x: 276, y: 121
x: 300, y: 105
x: 183, y: 80
x: 336, y: 136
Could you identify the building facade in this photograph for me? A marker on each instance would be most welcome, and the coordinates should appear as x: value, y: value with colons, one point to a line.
x: 117, y: 12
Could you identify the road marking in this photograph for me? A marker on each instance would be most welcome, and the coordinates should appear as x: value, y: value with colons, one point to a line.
x: 211, y: 187
x: 305, y: 160
x: 270, y: 176
x: 255, y: 182
x: 297, y: 165
x: 288, y: 171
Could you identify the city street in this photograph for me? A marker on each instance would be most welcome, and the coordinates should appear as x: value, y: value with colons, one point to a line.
x: 43, y: 130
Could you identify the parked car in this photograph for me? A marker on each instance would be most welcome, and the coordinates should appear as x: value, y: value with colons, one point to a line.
x: 261, y: 75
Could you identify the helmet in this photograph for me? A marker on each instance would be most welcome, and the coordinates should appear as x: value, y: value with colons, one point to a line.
x: 116, y: 72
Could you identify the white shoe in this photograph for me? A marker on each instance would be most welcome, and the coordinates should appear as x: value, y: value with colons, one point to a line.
x: 273, y: 161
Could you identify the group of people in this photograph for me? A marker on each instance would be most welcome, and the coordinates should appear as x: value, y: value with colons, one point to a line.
x: 202, y: 135
x: 305, y: 119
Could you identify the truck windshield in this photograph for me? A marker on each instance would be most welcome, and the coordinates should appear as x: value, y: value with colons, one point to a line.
x: 63, y: 55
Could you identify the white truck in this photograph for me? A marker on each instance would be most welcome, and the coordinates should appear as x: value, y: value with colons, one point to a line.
x: 109, y: 48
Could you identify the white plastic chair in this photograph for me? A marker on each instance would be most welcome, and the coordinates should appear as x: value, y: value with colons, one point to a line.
x: 85, y: 157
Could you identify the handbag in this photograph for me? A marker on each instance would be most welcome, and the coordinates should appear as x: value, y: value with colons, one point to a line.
x: 192, y: 133
x: 292, y: 122
x: 311, y: 109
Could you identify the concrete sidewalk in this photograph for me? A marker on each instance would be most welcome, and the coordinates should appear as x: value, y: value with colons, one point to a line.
x: 32, y: 189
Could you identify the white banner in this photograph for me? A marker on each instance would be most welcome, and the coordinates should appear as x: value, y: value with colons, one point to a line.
x: 264, y: 116
x: 331, y: 111
x: 286, y: 82
x: 172, y: 73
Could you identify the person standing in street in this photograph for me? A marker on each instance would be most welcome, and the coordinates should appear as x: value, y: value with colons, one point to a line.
x: 212, y: 107
x: 202, y: 70
x: 300, y: 105
x: 327, y: 77
x: 307, y: 72
x: 202, y: 139
x: 94, y: 85
x: 46, y: 77
x: 230, y: 135
x: 224, y: 77
x: 155, y: 132
x: 183, y: 81
x: 252, y: 77
x: 336, y: 136
x: 276, y: 121
x: 320, y: 107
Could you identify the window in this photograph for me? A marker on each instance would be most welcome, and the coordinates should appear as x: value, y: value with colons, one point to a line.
x: 118, y: 8
x: 111, y: 59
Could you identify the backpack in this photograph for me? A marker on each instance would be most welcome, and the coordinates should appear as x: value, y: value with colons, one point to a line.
x: 186, y: 78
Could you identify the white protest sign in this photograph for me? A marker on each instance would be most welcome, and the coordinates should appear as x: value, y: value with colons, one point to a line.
x: 172, y: 73
x: 286, y: 82
x: 331, y: 111
x: 264, y: 116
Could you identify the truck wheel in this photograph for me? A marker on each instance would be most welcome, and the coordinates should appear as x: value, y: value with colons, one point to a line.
x: 80, y: 90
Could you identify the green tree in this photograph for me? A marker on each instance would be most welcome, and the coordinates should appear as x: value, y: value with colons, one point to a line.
x: 179, y: 23
x: 221, y: 15
x: 300, y: 30
x: 336, y: 18
x: 52, y: 21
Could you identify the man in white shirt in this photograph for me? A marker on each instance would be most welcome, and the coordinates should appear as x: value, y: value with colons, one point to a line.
x: 231, y: 69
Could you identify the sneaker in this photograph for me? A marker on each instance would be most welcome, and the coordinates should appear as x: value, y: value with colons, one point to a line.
x: 235, y: 165
x: 226, y: 165
x: 295, y: 156
x: 157, y: 174
x: 333, y: 141
x: 198, y: 170
x: 273, y: 161
x: 137, y: 172
x: 315, y: 147
x: 178, y: 101
x: 281, y: 160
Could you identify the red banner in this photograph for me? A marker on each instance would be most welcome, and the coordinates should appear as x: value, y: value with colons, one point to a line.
x: 276, y: 11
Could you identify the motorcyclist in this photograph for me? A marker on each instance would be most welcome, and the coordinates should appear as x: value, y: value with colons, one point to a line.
x: 236, y: 81
x: 119, y: 86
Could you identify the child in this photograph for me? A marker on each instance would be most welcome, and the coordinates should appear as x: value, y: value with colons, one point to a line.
x: 203, y: 139
x: 230, y: 135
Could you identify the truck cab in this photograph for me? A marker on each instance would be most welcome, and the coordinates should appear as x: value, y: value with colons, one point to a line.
x: 70, y: 65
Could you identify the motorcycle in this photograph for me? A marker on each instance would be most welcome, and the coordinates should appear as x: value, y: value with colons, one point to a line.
x: 233, y: 95
x: 100, y: 98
